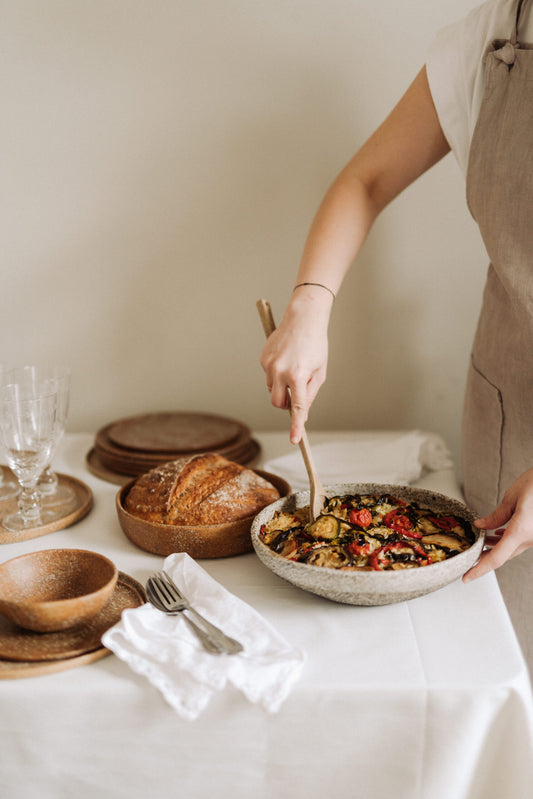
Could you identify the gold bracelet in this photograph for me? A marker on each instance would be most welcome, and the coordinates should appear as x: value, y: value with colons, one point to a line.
x: 315, y: 284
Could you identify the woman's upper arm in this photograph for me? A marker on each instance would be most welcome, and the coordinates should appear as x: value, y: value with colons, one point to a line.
x: 405, y: 145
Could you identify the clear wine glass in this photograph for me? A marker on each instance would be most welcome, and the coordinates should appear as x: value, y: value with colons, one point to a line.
x: 8, y: 487
x: 43, y: 379
x: 27, y: 429
x: 55, y: 493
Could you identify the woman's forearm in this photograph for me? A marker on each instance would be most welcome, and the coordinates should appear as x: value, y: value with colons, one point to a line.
x: 408, y: 143
x: 338, y: 231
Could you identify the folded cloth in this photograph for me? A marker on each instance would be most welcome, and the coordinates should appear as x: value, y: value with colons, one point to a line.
x: 165, y: 650
x: 367, y: 457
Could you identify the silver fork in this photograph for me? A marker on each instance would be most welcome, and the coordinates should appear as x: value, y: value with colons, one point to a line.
x: 160, y: 599
x: 231, y: 644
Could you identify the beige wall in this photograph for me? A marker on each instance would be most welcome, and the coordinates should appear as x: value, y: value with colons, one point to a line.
x: 160, y: 165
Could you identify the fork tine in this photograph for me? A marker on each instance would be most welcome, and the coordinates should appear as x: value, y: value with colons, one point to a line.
x: 150, y: 593
x: 170, y: 587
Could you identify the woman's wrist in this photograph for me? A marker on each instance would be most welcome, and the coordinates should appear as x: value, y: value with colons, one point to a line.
x: 309, y: 302
x: 316, y: 293
x: 317, y: 285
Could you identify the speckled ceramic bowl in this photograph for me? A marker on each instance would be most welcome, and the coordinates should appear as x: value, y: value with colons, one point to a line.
x: 369, y: 587
x: 55, y: 589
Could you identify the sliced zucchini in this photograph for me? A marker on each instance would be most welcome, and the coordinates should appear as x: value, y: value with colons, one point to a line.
x: 324, y: 526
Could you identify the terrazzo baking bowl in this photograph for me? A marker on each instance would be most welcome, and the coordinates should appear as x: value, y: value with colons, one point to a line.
x: 199, y: 541
x: 370, y: 587
x: 55, y: 589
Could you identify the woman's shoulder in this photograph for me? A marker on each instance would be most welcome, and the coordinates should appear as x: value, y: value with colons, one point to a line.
x: 455, y: 69
x: 474, y: 32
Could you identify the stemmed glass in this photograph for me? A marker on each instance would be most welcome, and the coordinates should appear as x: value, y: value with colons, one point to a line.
x: 27, y: 429
x: 53, y: 492
x: 8, y: 488
x: 39, y: 379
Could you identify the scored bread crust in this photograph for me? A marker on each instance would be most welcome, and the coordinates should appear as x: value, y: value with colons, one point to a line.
x: 199, y: 490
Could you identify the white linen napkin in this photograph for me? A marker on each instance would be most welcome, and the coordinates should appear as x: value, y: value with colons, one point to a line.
x: 165, y: 650
x: 367, y: 457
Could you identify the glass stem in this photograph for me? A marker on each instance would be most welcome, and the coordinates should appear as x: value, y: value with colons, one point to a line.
x: 48, y: 482
x: 29, y: 503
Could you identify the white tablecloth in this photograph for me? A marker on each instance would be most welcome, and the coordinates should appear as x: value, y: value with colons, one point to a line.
x: 428, y: 699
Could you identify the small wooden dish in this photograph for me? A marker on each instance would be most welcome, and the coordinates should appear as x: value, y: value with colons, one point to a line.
x: 202, y: 541
x: 34, y: 654
x: 55, y: 589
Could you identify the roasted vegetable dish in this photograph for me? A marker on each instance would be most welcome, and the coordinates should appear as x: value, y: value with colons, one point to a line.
x: 368, y: 532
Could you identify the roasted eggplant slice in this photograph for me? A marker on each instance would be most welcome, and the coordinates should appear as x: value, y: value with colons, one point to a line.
x: 330, y: 557
x: 450, y: 542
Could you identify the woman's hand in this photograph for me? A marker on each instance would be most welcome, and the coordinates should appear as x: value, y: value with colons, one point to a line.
x: 295, y: 355
x: 516, y: 511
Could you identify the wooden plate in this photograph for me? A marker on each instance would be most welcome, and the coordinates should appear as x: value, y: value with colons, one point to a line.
x: 141, y: 460
x: 96, y: 467
x: 11, y: 670
x: 25, y: 646
x: 240, y: 455
x: 119, y: 473
x: 174, y: 432
x: 70, y: 513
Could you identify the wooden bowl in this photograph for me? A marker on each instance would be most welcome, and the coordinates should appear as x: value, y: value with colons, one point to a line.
x: 369, y: 587
x: 201, y: 541
x: 55, y: 589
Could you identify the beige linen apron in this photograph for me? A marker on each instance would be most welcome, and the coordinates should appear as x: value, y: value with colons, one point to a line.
x: 498, y: 410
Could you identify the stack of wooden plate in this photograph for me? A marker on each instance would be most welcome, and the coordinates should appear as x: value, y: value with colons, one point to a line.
x: 133, y: 445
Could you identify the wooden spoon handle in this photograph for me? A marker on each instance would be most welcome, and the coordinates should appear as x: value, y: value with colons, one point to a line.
x: 317, y: 496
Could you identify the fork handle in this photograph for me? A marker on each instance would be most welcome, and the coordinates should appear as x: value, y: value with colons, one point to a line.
x: 230, y: 644
x: 207, y: 641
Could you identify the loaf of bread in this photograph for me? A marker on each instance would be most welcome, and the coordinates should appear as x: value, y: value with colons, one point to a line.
x: 200, y: 490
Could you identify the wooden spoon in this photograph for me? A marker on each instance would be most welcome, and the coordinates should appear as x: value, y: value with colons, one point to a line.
x: 318, y: 497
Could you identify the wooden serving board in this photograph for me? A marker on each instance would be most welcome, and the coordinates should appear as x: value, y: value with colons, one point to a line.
x: 71, y: 512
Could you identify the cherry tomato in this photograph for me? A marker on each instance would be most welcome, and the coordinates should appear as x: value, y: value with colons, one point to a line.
x: 361, y: 517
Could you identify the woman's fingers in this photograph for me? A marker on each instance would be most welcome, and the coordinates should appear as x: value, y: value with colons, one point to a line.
x: 491, y: 559
x: 297, y: 392
x: 294, y: 359
x: 300, y: 404
x: 516, y: 508
x: 498, y: 517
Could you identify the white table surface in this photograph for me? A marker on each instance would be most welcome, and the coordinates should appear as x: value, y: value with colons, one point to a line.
x: 427, y: 699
